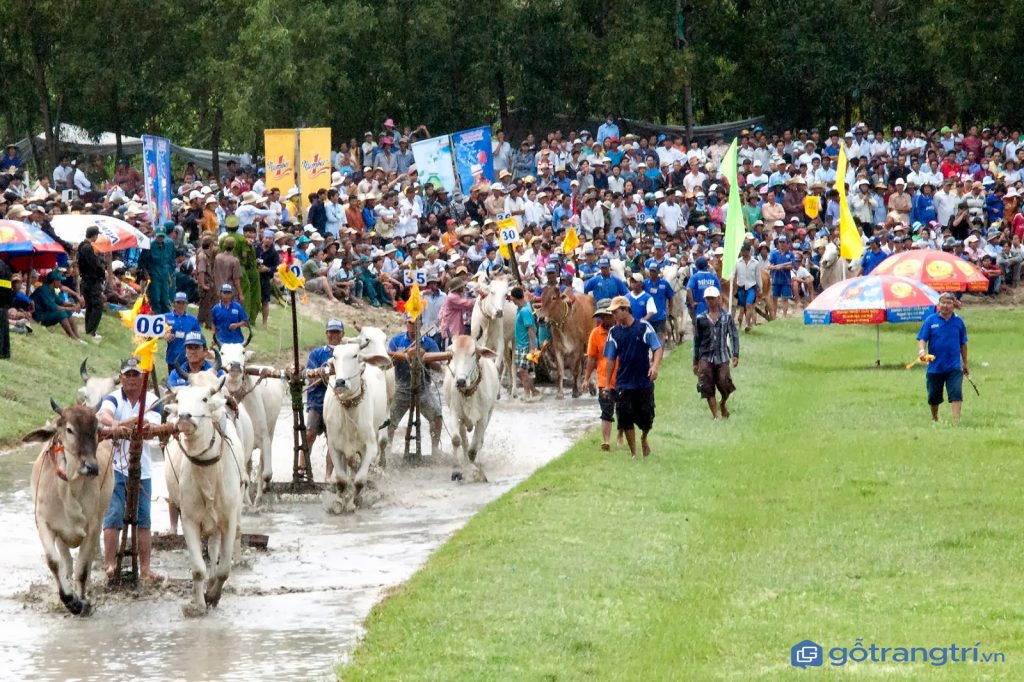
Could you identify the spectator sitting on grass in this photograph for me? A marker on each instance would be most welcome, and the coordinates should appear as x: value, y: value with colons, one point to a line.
x: 993, y: 272
x: 49, y: 310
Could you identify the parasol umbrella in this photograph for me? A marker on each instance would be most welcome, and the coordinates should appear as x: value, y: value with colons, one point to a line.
x: 24, y: 246
x: 940, y: 270
x: 873, y: 299
x: 115, y: 234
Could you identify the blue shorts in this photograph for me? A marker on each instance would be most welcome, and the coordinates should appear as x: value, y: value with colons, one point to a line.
x: 115, y: 512
x: 953, y: 381
x: 746, y: 296
x: 782, y: 290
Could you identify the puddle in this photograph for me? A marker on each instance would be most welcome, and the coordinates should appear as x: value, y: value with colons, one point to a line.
x: 292, y: 612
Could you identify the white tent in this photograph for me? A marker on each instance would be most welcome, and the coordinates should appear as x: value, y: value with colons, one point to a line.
x: 76, y: 139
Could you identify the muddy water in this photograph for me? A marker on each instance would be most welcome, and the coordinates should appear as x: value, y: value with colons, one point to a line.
x: 292, y: 612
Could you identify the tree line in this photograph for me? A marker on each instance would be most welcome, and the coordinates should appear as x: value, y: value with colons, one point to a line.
x: 215, y: 74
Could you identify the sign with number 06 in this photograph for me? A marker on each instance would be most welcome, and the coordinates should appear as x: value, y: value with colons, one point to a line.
x: 150, y: 326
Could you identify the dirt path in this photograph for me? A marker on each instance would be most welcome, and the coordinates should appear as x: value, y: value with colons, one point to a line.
x: 289, y: 613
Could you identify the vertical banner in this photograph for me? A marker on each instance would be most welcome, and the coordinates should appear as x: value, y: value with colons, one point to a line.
x: 473, y: 157
x: 164, y: 182
x: 314, y: 160
x: 279, y: 148
x: 149, y: 172
x: 434, y: 162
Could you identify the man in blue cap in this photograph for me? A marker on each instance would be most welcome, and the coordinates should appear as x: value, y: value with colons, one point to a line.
x: 228, y: 317
x: 701, y: 279
x: 873, y: 256
x: 429, y: 397
x: 179, y: 323
x: 158, y: 264
x: 659, y: 256
x: 317, y: 389
x: 603, y: 284
x: 195, y: 360
x: 662, y: 294
x: 780, y: 265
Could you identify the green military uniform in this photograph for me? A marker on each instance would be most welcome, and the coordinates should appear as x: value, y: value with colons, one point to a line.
x: 159, y: 263
x: 246, y: 255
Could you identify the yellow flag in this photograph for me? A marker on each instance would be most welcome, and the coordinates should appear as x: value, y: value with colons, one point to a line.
x: 571, y: 241
x: 145, y: 354
x: 414, y: 306
x: 850, y: 245
x: 128, y: 316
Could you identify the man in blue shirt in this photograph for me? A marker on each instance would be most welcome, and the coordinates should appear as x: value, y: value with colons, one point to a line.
x: 873, y: 256
x: 944, y: 336
x: 780, y: 264
x: 700, y: 280
x: 179, y: 323
x: 526, y: 342
x: 606, y: 130
x: 228, y: 317
x: 316, y: 389
x: 429, y: 397
x: 662, y: 294
x: 195, y: 360
x: 632, y: 342
x: 659, y: 256
x: 603, y: 284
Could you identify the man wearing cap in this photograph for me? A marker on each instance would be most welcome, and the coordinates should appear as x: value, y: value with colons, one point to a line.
x: 715, y: 341
x: 93, y: 274
x: 701, y: 279
x: 604, y: 284
x: 245, y: 252
x: 662, y: 295
x: 195, y: 360
x: 399, y: 348
x: 158, y: 264
x: 267, y: 260
x: 597, y: 361
x: 944, y: 336
x: 634, y: 353
x: 780, y: 265
x: 120, y: 411
x: 873, y: 256
x: 316, y: 389
x: 228, y: 317
x: 179, y: 324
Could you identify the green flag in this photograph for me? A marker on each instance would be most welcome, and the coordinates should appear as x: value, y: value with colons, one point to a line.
x: 734, y: 229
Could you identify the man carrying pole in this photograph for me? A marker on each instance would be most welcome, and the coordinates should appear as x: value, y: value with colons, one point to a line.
x: 414, y: 391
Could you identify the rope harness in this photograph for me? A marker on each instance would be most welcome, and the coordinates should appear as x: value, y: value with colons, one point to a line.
x: 57, y: 449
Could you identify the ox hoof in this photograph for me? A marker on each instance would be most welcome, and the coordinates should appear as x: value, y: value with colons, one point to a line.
x: 191, y: 610
x: 478, y: 476
x: 72, y: 603
x: 212, y: 599
x: 456, y: 475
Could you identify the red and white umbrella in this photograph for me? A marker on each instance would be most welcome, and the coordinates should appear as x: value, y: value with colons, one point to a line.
x: 940, y: 270
x: 115, y: 234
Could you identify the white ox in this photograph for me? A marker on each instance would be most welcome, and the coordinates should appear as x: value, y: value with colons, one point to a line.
x: 355, y: 418
x: 94, y: 389
x: 376, y: 346
x: 72, y: 480
x: 677, y: 277
x: 493, y: 323
x: 471, y: 389
x: 207, y: 469
x: 832, y: 266
x: 262, y: 399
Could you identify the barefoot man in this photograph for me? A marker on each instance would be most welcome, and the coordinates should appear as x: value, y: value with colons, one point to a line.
x: 944, y: 336
x: 635, y: 345
x: 715, y: 340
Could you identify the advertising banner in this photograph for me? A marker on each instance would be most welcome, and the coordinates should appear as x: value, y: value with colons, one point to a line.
x: 314, y: 160
x: 473, y: 157
x: 149, y: 175
x: 164, y: 181
x: 434, y: 163
x: 279, y: 147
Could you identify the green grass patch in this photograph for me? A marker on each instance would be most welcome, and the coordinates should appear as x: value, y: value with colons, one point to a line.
x: 828, y: 508
x: 46, y: 364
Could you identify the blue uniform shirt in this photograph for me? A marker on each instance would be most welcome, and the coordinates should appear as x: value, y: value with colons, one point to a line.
x: 605, y: 287
x: 180, y: 325
x: 225, y: 315
x: 315, y: 394
x: 638, y: 304
x: 401, y: 342
x: 524, y: 320
x: 944, y: 339
x: 781, y: 277
x: 871, y: 260
x: 661, y: 263
x: 588, y: 270
x: 701, y: 280
x: 661, y: 292
x: 631, y: 346
x: 174, y: 379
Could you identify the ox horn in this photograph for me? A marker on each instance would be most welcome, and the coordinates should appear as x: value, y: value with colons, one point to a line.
x: 358, y: 327
x: 248, y: 339
x: 216, y: 361
x: 56, y: 408
x: 182, y: 372
x: 83, y: 371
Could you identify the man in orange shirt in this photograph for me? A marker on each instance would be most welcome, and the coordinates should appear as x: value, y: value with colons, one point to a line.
x: 597, y: 360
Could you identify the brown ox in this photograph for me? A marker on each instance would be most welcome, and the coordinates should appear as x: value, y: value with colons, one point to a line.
x: 72, y: 480
x: 570, y: 330
x: 764, y: 297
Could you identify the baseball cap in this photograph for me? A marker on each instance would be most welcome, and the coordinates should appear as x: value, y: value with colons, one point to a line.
x: 602, y: 307
x: 181, y: 297
x: 550, y: 268
x: 335, y: 326
x: 712, y: 291
x: 654, y: 266
x: 131, y: 364
x: 226, y: 289
x: 195, y: 339
x: 619, y: 303
x: 603, y: 262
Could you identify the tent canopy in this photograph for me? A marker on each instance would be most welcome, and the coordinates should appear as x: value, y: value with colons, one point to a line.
x: 76, y: 139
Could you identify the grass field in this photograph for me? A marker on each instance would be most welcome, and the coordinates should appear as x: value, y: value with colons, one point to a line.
x: 828, y: 508
x: 46, y: 363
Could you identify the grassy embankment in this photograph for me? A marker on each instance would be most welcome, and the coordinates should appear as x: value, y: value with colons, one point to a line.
x: 827, y: 508
x: 46, y: 364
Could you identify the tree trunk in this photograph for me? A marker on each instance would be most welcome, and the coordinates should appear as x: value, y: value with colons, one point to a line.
x: 115, y: 110
x: 43, y: 94
x: 218, y: 122
x: 847, y: 110
x: 502, y: 100
x: 688, y: 107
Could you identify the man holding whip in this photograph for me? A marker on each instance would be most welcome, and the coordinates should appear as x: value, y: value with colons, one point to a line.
x: 944, y: 336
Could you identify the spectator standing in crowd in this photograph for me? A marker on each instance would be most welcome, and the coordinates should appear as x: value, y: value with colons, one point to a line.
x: 93, y: 274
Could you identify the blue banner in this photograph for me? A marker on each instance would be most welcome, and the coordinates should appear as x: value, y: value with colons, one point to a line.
x: 473, y: 157
x: 156, y: 170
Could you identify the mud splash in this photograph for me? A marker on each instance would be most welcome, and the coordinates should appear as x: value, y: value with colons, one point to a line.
x: 292, y: 612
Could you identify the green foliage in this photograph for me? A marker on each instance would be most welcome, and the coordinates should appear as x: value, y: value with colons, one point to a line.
x: 217, y: 74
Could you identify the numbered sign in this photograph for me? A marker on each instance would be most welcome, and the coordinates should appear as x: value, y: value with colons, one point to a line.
x: 502, y: 216
x: 415, y: 277
x: 296, y: 270
x: 150, y: 326
x: 508, y: 231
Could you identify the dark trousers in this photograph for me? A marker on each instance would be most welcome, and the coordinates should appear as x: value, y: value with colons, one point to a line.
x: 92, y: 292
x: 5, y: 335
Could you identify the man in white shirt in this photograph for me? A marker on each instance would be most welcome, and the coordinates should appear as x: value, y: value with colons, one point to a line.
x: 516, y: 206
x: 945, y: 202
x: 81, y: 182
x: 592, y: 216
x: 63, y: 175
x: 694, y: 178
x: 501, y: 152
x: 669, y: 213
x: 408, y: 214
x: 120, y: 410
